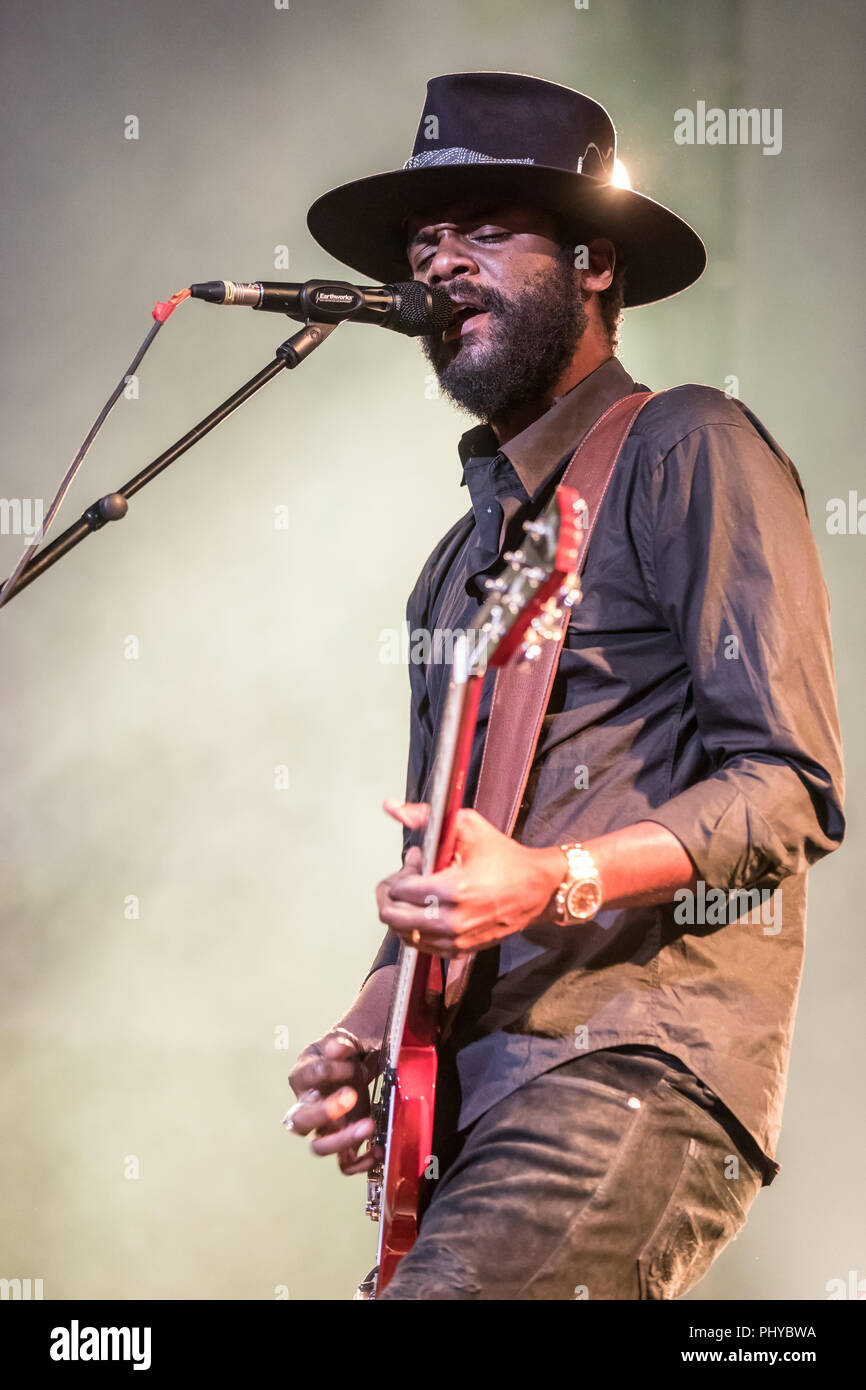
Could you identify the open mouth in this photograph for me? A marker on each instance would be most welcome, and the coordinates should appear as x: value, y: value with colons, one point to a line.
x: 463, y: 321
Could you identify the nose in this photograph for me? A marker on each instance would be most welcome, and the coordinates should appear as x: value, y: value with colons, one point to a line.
x: 452, y: 257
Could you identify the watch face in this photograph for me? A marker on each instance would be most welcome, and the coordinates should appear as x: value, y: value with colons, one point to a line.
x: 583, y: 899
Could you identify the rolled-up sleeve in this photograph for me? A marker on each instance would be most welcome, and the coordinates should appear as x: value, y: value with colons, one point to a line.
x: 732, y: 566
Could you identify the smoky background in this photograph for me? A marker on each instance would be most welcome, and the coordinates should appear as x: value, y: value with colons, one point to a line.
x: 199, y: 725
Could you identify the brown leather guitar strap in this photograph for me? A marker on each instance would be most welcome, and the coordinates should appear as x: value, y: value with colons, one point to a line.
x: 522, y: 689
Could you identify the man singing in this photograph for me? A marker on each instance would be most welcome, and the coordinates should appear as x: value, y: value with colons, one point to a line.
x: 610, y: 1097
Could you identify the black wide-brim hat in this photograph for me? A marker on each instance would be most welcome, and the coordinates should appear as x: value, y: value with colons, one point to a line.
x: 501, y: 137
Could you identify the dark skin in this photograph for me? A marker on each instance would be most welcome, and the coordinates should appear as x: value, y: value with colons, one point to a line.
x: 500, y: 247
x: 495, y: 886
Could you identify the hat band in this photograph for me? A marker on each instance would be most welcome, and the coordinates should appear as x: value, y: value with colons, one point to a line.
x: 457, y: 155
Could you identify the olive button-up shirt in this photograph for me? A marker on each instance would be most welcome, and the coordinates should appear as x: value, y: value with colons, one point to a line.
x: 696, y: 690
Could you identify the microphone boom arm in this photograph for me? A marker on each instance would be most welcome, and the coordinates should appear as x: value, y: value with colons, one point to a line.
x: 116, y: 504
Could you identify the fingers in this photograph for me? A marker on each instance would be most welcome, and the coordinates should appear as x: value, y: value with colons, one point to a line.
x: 324, y: 1108
x: 430, y: 891
x: 315, y: 1112
x: 434, y: 938
x: 413, y: 860
x: 415, y: 814
x: 350, y: 1165
x: 410, y: 868
x: 349, y: 1137
x: 412, y: 814
x: 322, y: 1072
x: 413, y: 900
x: 334, y: 1063
x: 421, y: 918
x: 320, y: 1083
x: 322, y: 1116
x: 338, y: 1045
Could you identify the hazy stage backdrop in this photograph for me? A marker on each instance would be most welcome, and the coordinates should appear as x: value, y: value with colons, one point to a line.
x: 202, y: 713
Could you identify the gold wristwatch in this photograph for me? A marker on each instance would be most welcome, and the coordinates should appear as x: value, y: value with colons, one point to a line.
x: 579, y: 896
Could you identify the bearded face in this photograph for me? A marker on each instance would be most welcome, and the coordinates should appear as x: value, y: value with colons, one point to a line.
x: 508, y: 347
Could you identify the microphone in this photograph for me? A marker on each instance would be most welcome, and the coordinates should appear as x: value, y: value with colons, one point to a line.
x: 408, y: 307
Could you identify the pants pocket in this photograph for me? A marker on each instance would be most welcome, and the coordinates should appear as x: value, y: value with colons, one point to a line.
x: 706, y: 1209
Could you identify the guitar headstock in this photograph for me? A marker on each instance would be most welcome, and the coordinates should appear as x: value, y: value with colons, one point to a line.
x: 530, y: 599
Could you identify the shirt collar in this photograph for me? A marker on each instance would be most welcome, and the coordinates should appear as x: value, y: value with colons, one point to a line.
x: 535, y: 452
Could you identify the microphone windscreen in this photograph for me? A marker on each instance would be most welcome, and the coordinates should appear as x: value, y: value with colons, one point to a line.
x: 422, y: 310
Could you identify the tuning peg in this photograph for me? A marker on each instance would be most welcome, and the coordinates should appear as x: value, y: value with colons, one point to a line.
x: 570, y: 596
x: 515, y: 558
x: 551, y: 612
x: 495, y: 625
x: 497, y: 585
x: 531, y: 651
x: 538, y: 530
x: 546, y: 627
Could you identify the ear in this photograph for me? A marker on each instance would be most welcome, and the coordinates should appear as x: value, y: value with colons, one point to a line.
x: 598, y: 275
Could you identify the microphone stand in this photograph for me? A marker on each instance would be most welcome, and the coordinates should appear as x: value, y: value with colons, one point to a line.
x: 116, y: 504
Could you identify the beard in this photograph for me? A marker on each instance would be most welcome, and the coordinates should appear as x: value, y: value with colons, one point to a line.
x: 528, y: 341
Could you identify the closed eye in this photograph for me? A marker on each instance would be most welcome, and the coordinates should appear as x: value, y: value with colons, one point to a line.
x: 424, y: 260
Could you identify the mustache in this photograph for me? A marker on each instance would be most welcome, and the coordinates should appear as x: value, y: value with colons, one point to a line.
x: 485, y: 299
x: 481, y: 297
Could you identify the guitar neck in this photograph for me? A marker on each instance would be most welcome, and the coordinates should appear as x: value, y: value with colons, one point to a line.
x: 419, y: 977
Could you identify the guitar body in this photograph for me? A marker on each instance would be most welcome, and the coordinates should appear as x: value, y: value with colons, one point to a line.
x: 411, y: 1141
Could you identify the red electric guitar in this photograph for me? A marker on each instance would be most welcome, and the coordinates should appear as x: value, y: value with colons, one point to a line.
x: 527, y: 605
